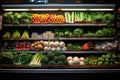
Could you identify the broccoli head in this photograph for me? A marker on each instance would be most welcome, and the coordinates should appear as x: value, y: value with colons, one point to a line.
x: 44, y: 60
x: 56, y: 59
x: 57, y: 53
x: 60, y: 63
x: 62, y: 58
x: 52, y: 63
x: 50, y: 55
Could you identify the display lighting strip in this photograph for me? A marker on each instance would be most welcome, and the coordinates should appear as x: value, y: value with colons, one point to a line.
x: 87, y: 9
x: 16, y: 9
x: 101, y: 9
x: 58, y: 9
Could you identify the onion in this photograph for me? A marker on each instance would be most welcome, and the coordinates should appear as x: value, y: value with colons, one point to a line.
x: 51, y: 44
x: 56, y: 44
x: 64, y: 49
x: 46, y: 48
x: 45, y: 43
x: 62, y: 44
x: 69, y: 58
x: 70, y: 62
x: 53, y: 49
x: 58, y: 49
x: 82, y: 63
x: 82, y: 58
x: 76, y: 60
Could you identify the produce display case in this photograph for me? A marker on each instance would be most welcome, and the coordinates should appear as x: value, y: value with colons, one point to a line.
x: 81, y: 37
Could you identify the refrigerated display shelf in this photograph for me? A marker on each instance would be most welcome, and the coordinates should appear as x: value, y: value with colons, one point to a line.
x: 31, y: 39
x: 64, y: 52
x: 45, y: 25
x: 25, y: 66
x: 83, y: 70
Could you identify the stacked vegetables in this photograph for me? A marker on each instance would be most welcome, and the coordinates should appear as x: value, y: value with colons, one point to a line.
x: 70, y: 17
x: 75, y: 60
x: 15, y: 58
x: 16, y: 18
x: 78, y: 32
x: 16, y: 35
x: 40, y: 18
x: 37, y: 45
x: 47, y: 18
x: 92, y: 17
x: 54, y: 46
x: 36, y: 60
x: 73, y: 47
x: 108, y: 58
x: 54, y: 58
x: 105, y: 32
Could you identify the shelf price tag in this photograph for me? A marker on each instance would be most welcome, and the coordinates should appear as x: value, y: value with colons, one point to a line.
x: 81, y: 24
x: 102, y: 38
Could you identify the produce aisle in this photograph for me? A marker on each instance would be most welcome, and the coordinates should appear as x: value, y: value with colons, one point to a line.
x: 59, y: 38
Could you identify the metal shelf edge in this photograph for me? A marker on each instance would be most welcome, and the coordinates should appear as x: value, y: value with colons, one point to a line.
x: 59, y: 70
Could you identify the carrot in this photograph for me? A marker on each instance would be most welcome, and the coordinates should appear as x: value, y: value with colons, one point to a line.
x: 85, y: 46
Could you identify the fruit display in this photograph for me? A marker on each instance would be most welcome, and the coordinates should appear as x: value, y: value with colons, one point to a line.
x: 16, y: 35
x: 37, y: 45
x: 25, y: 45
x: 88, y: 17
x: 75, y: 60
x: 25, y: 35
x: 56, y: 18
x: 40, y: 18
x: 22, y: 45
x: 16, y: 18
x: 54, y: 46
x: 54, y: 58
x: 6, y: 35
x: 47, y: 18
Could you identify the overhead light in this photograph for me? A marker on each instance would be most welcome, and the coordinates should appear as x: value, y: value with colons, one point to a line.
x: 58, y: 9
x: 74, y: 9
x: 16, y: 9
x: 44, y: 9
x: 101, y: 9
x: 31, y: 9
